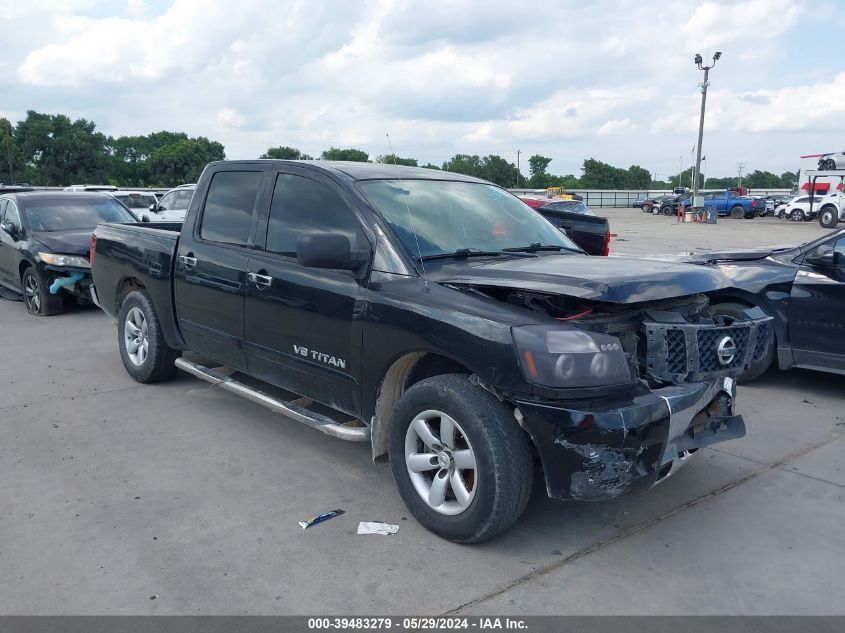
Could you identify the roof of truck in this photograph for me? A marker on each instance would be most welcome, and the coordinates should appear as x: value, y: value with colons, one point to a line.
x: 366, y: 171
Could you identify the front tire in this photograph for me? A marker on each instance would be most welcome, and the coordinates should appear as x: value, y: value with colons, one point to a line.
x: 734, y: 312
x: 145, y: 354
x: 36, y: 294
x: 461, y: 462
x: 829, y: 217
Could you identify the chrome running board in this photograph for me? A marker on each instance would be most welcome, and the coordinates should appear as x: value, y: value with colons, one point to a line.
x: 295, y: 409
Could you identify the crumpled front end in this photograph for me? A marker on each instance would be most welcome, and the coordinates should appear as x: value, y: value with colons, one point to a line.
x: 601, y: 449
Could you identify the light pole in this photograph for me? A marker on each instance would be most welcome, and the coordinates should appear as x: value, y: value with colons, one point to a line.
x: 698, y: 62
x: 739, y: 168
x: 518, y: 152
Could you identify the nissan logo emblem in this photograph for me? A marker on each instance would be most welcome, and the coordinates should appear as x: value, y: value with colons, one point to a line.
x: 726, y: 350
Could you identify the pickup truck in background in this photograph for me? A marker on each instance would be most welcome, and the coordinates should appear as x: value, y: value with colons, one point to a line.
x: 732, y: 204
x: 588, y: 231
x: 439, y: 318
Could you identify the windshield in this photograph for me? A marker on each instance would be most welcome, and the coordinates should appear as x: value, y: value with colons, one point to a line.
x: 69, y: 214
x: 455, y: 216
x: 136, y: 200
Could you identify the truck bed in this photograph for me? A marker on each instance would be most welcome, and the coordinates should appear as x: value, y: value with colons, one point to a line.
x: 137, y: 255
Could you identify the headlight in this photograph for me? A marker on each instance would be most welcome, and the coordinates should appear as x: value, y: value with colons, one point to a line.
x: 552, y: 356
x: 64, y: 260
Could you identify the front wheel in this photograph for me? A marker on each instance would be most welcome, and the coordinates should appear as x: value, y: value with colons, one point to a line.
x: 36, y: 294
x: 461, y: 462
x: 145, y: 354
x: 737, y: 213
x: 829, y: 217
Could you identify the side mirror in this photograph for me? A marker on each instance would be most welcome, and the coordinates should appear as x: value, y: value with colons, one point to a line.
x: 326, y: 250
x: 9, y: 228
x: 154, y: 207
x: 822, y: 256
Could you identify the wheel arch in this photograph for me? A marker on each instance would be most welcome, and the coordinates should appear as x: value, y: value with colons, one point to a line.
x: 124, y: 287
x: 404, y: 372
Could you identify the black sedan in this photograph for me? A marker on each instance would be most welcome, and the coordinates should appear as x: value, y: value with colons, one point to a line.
x: 44, y: 242
x: 803, y: 287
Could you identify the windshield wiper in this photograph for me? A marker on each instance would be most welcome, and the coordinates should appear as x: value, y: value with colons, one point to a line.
x: 461, y: 252
x: 537, y: 246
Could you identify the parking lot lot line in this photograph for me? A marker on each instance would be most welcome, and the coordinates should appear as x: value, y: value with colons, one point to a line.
x: 643, y: 526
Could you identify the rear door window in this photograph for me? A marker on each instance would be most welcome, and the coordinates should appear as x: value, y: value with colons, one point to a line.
x: 227, y: 216
x: 183, y: 199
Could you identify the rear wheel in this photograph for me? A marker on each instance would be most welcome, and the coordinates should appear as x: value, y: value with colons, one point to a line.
x: 829, y: 217
x: 796, y: 215
x: 734, y: 312
x: 737, y: 213
x: 461, y: 463
x: 36, y: 294
x: 145, y: 354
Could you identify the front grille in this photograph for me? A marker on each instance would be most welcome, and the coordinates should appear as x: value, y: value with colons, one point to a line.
x: 678, y: 351
x: 765, y: 336
x: 708, y: 348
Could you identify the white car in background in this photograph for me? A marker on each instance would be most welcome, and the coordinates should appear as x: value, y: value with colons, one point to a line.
x: 172, y: 206
x: 799, y: 208
x: 138, y: 202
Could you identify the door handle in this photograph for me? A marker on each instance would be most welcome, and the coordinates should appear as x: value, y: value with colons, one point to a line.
x: 260, y: 281
x: 188, y: 260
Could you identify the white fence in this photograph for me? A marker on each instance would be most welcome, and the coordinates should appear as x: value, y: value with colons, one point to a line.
x: 625, y: 198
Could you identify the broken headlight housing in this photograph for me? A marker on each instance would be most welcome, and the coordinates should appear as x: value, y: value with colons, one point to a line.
x: 563, y: 358
x: 64, y: 260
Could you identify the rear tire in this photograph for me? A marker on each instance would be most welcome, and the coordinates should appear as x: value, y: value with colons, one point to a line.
x: 737, y: 213
x: 796, y: 215
x: 667, y: 210
x: 145, y: 354
x: 756, y: 369
x: 829, y: 217
x: 487, y: 497
x: 36, y: 294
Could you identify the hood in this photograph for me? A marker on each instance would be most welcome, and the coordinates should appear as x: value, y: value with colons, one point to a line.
x: 749, y: 254
x: 75, y: 242
x: 610, y: 279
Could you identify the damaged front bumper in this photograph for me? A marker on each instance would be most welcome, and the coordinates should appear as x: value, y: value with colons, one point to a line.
x: 600, y: 449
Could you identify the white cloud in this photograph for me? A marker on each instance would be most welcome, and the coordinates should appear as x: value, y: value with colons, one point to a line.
x: 609, y: 80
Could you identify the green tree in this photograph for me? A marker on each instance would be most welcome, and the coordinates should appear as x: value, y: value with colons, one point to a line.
x: 10, y: 154
x: 537, y: 166
x: 497, y: 169
x: 431, y: 166
x: 637, y: 178
x: 350, y: 154
x: 393, y: 159
x: 285, y: 153
x: 59, y: 151
x: 183, y: 160
x: 465, y: 164
x: 599, y: 175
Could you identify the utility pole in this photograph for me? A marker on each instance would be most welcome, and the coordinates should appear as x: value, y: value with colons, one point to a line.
x: 739, y: 168
x: 698, y: 62
x: 518, y: 152
x: 704, y: 172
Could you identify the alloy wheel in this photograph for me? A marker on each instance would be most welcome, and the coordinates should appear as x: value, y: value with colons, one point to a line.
x: 136, y: 337
x: 32, y: 292
x: 441, y: 462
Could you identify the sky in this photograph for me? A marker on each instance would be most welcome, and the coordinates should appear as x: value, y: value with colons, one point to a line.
x: 614, y: 81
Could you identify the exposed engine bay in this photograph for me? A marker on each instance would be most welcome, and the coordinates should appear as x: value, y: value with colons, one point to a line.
x: 667, y: 341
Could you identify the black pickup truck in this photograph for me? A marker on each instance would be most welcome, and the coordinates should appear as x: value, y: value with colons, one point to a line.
x: 439, y: 318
